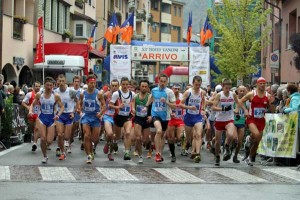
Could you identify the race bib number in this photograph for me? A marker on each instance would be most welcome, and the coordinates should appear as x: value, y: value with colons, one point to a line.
x: 178, y: 113
x: 110, y: 111
x: 194, y: 112
x: 140, y: 111
x: 160, y: 106
x: 47, y: 108
x: 259, y: 113
x: 36, y: 109
x: 241, y: 113
x: 65, y: 105
x: 89, y: 105
x: 125, y: 110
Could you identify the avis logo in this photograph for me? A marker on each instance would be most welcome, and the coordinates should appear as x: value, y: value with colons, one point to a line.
x: 120, y: 57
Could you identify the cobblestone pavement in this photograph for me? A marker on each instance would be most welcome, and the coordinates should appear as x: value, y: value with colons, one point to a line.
x: 22, y: 165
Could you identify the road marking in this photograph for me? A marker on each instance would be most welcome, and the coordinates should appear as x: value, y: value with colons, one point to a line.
x: 117, y: 174
x: 12, y: 149
x: 239, y: 176
x: 4, y: 173
x: 56, y: 174
x: 286, y: 172
x: 178, y: 175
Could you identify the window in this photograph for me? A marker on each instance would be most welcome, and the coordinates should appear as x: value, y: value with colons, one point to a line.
x: 120, y: 4
x: 175, y: 10
x: 90, y: 2
x: 18, y: 30
x: 292, y: 22
x: 154, y: 4
x: 79, y: 30
x: 179, y: 12
x: 154, y: 25
x: 166, y: 8
x: 165, y: 28
x: 116, y: 3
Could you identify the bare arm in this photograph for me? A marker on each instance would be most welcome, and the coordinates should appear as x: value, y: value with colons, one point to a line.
x: 60, y: 104
x: 102, y: 101
x: 183, y: 100
x: 35, y: 102
x: 216, y: 102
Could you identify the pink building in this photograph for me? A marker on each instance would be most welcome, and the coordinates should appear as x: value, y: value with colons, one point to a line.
x: 283, y: 69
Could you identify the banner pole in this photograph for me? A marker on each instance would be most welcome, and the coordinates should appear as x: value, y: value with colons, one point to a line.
x: 43, y: 51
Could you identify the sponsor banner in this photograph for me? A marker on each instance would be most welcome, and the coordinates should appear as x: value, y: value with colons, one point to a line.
x: 199, y: 64
x: 159, y: 53
x: 280, y: 136
x: 120, y: 61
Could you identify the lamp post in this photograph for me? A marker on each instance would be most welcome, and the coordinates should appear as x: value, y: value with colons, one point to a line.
x: 279, y: 35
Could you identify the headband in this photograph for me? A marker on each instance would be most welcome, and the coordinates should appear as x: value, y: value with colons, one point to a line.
x: 91, y: 79
x: 261, y: 80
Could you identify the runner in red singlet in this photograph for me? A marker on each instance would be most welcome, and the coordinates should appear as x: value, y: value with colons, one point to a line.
x: 260, y: 101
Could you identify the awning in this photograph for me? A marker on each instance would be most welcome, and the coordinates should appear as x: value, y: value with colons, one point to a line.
x: 53, y: 62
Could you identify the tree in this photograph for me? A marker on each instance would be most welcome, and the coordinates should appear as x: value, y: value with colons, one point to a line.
x: 238, y: 22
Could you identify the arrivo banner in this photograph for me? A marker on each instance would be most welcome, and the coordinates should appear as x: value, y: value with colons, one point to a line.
x: 159, y: 53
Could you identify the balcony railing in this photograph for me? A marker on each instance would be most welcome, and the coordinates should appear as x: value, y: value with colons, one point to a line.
x: 140, y: 15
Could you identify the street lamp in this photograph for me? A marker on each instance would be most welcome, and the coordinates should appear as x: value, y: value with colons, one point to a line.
x: 280, y: 33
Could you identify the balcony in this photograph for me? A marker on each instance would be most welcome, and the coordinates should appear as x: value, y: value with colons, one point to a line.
x: 18, y: 27
x: 139, y: 37
x: 131, y: 4
x: 140, y: 15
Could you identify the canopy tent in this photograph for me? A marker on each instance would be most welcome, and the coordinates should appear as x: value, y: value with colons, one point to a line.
x: 73, y: 49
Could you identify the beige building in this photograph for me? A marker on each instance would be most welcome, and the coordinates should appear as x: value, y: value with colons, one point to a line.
x: 64, y: 21
x: 284, y: 69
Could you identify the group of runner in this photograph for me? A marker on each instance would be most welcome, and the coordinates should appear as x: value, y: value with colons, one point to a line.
x: 147, y: 117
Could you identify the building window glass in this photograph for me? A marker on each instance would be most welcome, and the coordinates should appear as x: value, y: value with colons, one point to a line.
x: 154, y: 4
x: 179, y: 12
x: 175, y: 10
x: 165, y: 28
x: 116, y: 3
x: 79, y: 30
x: 292, y: 22
x: 286, y: 36
x: 166, y: 8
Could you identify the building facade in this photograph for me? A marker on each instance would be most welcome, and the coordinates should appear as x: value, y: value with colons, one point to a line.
x: 285, y: 21
x: 64, y: 21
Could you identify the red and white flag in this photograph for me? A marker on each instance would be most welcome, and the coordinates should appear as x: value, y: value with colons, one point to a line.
x: 39, y: 57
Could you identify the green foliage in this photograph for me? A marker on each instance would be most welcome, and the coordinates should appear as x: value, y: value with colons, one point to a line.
x: 238, y: 23
x: 7, y: 119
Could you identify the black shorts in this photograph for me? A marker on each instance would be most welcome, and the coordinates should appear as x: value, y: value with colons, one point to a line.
x: 164, y: 124
x: 142, y: 121
x: 120, y: 120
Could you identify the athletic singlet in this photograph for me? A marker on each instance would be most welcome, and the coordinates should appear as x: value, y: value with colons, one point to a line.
x: 178, y: 111
x: 108, y: 111
x: 121, y: 97
x: 67, y: 98
x: 47, y: 105
x: 91, y: 104
x: 140, y: 105
x: 242, y: 119
x: 161, y: 109
x: 258, y: 105
x: 194, y: 100
x: 28, y: 99
x: 223, y: 116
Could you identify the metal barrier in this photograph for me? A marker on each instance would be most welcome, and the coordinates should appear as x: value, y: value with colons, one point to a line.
x: 19, y: 124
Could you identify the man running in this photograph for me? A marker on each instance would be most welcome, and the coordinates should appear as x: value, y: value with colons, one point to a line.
x: 93, y: 107
x: 240, y: 122
x: 75, y: 126
x: 193, y: 101
x: 176, y: 124
x: 260, y: 101
x: 109, y: 121
x: 47, y: 117
x: 223, y: 105
x: 163, y: 100
x: 27, y: 101
x: 65, y: 122
x: 142, y: 118
x: 121, y: 101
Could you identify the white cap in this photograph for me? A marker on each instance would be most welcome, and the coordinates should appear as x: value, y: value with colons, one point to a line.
x: 85, y: 87
x: 218, y: 88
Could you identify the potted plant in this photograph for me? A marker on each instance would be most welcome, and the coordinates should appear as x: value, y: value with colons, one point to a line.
x: 19, y: 19
x: 7, y: 118
x: 79, y: 3
x: 67, y: 34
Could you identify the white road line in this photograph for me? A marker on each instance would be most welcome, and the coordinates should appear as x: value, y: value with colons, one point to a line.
x: 4, y: 173
x: 12, y: 149
x: 286, y: 172
x: 239, y: 176
x: 56, y: 174
x: 117, y: 174
x: 178, y: 175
